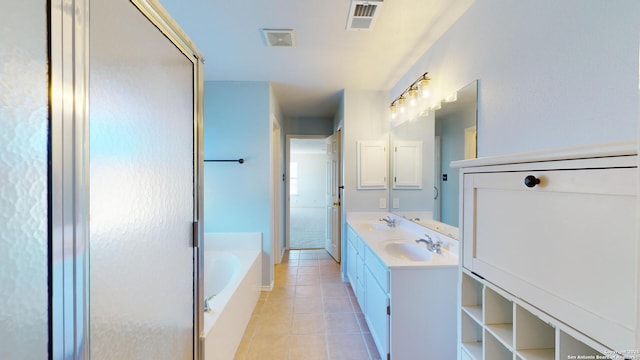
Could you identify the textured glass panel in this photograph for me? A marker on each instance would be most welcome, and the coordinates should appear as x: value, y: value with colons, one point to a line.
x: 23, y: 180
x: 141, y: 173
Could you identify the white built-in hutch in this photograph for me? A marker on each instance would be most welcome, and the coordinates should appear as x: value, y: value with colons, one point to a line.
x: 550, y: 256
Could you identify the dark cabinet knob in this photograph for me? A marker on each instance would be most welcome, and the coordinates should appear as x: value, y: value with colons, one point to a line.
x: 531, y: 181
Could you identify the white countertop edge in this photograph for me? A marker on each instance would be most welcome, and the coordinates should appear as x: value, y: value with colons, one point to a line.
x: 623, y: 148
x: 408, y: 231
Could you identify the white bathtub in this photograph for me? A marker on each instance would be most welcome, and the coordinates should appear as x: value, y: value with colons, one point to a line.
x: 233, y: 273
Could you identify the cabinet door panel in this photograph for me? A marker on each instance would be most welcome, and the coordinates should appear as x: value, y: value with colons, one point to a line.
x: 375, y: 313
x: 372, y: 165
x: 567, y: 244
x: 351, y: 264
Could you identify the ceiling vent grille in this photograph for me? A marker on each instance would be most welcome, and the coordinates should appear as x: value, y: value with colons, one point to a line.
x: 363, y: 14
x: 279, y: 37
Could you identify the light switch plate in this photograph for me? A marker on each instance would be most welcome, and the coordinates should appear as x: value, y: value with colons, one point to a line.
x: 396, y: 203
x: 383, y: 203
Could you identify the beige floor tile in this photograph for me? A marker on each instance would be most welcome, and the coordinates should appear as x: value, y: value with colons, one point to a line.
x: 285, y: 291
x: 308, y: 279
x: 307, y: 324
x: 334, y: 290
x: 308, y: 291
x: 251, y: 326
x: 347, y: 347
x: 307, y: 347
x: 308, y: 270
x: 337, y: 305
x: 331, y: 278
x: 302, y: 262
x: 341, y: 323
x: 277, y: 306
x: 371, y: 346
x: 273, y: 324
x: 307, y: 306
x: 328, y: 262
x: 268, y: 347
x: 243, y: 348
x: 364, y: 328
x: 355, y: 304
x: 309, y: 314
x: 308, y: 256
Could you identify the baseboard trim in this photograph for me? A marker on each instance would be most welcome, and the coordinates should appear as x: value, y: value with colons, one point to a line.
x: 267, y: 287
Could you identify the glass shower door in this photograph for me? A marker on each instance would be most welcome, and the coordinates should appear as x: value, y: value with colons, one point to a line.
x: 23, y: 180
x: 141, y: 189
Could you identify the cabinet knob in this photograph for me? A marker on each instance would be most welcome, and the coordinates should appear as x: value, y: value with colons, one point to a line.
x: 531, y: 181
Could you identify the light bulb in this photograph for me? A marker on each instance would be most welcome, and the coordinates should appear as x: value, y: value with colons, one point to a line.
x: 393, y: 110
x: 401, y: 106
x: 413, y: 97
x: 423, y: 88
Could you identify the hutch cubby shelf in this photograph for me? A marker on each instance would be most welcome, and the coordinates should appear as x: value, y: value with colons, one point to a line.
x: 495, y: 325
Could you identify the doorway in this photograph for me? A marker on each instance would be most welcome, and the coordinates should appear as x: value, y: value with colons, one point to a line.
x: 306, y: 189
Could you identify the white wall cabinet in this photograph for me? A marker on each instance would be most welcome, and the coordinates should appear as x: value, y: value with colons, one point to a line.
x: 372, y: 164
x: 410, y: 312
x: 557, y: 231
x: 407, y: 165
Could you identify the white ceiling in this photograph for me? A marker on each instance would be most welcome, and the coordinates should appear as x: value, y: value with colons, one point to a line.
x: 307, y: 79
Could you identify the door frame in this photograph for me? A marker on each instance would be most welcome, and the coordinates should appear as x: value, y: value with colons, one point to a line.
x: 69, y: 64
x: 286, y: 196
x: 276, y: 193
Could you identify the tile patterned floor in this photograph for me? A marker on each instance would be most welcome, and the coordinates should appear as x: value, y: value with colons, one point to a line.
x: 310, y: 314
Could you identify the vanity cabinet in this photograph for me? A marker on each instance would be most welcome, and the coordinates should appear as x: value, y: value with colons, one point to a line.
x: 558, y: 232
x: 410, y: 310
x: 372, y: 297
x: 355, y: 265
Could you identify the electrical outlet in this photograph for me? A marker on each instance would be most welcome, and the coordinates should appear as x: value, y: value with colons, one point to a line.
x: 396, y: 203
x: 383, y: 203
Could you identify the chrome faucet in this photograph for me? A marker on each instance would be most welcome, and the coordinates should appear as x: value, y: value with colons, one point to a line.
x: 207, y: 305
x: 390, y: 222
x: 433, y: 246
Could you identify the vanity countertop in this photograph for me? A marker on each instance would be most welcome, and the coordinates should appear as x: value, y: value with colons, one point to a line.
x: 377, y: 236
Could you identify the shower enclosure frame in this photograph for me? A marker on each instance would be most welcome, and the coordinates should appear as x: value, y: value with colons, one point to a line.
x: 68, y: 195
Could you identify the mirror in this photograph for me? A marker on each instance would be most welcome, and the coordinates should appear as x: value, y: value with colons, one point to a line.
x: 424, y: 188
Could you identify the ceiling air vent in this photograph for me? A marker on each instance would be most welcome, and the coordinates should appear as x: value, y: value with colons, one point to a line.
x: 279, y: 37
x: 362, y: 14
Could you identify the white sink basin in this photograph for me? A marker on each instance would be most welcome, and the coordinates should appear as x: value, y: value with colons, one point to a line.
x: 376, y: 226
x: 407, y: 251
x: 380, y: 226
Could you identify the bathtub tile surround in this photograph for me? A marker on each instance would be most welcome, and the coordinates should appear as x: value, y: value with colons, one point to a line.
x: 310, y: 314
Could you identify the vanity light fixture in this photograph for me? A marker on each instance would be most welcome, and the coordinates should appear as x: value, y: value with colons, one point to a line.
x: 401, y: 106
x: 394, y: 111
x: 414, y: 94
x: 423, y: 86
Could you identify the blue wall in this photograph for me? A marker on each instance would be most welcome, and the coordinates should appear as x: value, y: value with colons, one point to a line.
x: 237, y: 125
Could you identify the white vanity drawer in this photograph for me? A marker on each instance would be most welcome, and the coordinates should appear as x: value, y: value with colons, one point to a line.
x: 567, y: 244
x: 377, y: 269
